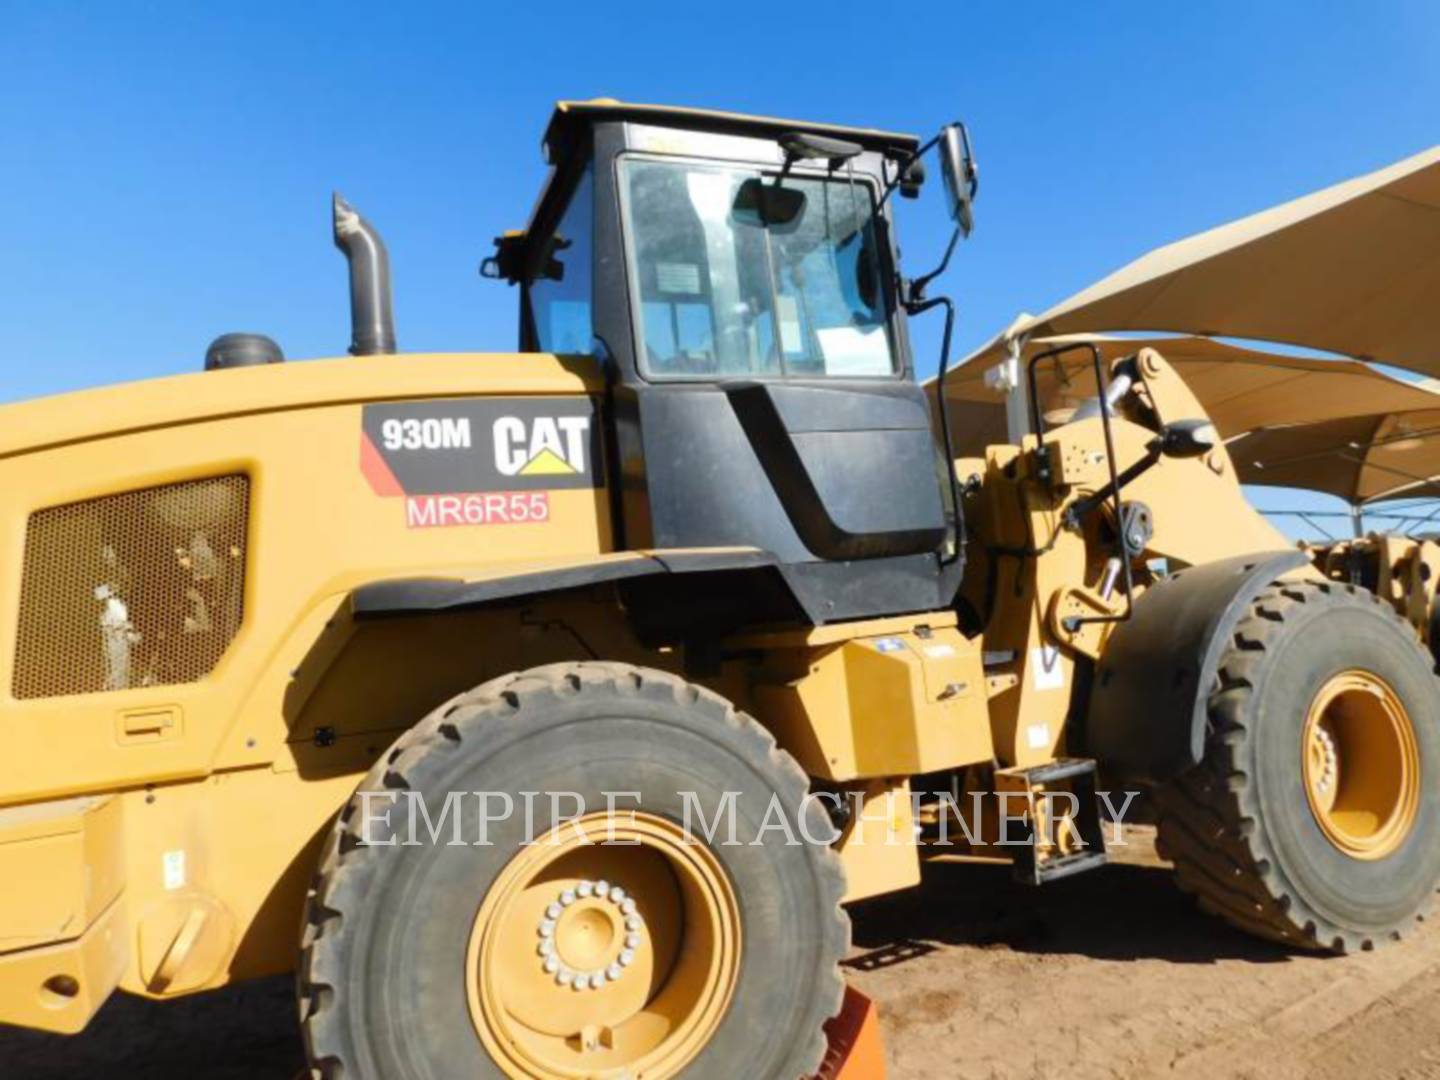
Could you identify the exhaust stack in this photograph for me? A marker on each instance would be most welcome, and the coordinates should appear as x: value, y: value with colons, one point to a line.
x: 372, y: 323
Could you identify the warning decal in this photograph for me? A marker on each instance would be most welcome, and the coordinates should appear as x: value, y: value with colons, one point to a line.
x: 480, y: 461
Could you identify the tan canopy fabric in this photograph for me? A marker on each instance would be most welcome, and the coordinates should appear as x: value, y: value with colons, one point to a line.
x: 1241, y: 388
x: 1336, y: 426
x: 1364, y: 459
x: 1352, y: 269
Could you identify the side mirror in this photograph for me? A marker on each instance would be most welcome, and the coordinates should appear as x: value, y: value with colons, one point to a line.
x: 1188, y: 438
x: 957, y: 164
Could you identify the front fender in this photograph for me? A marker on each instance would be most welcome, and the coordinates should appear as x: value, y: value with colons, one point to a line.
x: 1147, y: 714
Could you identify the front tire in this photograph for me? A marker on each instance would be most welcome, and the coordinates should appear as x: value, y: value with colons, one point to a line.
x: 1314, y: 819
x: 697, y: 959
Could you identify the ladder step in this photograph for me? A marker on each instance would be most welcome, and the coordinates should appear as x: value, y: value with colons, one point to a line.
x: 1069, y: 865
x: 1041, y: 859
x: 1059, y: 769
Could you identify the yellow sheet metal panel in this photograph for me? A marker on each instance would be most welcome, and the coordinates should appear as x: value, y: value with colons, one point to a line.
x: 337, y: 459
x: 217, y: 871
x: 49, y: 903
x: 214, y: 395
x: 940, y: 722
x: 834, y: 633
x: 878, y: 844
x: 62, y: 863
x: 59, y: 987
x: 892, y: 704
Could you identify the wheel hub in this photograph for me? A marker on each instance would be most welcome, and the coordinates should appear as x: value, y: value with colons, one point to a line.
x: 1361, y: 765
x: 589, y: 935
x: 575, y: 959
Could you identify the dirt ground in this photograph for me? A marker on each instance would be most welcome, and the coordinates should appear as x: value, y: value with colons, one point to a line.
x: 1111, y: 974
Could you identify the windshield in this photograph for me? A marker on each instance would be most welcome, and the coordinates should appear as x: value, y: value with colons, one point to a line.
x: 733, y: 283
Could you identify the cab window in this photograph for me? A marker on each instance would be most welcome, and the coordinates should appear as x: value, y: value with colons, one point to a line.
x: 738, y: 275
x: 558, y: 289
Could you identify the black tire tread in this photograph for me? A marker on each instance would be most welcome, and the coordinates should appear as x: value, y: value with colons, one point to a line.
x: 1207, y: 816
x: 338, y: 881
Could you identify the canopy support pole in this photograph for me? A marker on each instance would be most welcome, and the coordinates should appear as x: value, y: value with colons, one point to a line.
x: 1357, y: 520
x: 1017, y: 399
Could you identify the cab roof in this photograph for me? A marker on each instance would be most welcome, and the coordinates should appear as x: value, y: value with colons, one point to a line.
x: 571, y: 118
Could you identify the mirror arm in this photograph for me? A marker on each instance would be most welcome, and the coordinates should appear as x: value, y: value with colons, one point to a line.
x: 914, y: 291
x: 779, y: 180
x: 900, y: 172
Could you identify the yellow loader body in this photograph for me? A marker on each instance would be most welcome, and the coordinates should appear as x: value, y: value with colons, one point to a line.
x: 188, y: 865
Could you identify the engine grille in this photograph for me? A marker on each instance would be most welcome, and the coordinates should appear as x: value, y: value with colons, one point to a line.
x: 141, y: 588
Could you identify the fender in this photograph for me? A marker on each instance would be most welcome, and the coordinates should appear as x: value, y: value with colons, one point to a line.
x: 1147, y: 717
x: 682, y: 593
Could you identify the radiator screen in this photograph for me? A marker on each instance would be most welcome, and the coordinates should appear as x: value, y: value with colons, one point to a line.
x: 143, y: 588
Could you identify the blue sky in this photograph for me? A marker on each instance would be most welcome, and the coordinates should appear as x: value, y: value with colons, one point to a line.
x: 165, y: 169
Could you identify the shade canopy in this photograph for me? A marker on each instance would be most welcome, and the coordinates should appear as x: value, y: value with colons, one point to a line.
x: 1363, y: 459
x: 1241, y: 388
x: 1353, y: 269
x: 1336, y: 426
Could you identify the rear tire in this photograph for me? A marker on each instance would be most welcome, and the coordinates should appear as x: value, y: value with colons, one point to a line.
x: 1252, y: 830
x: 410, y: 965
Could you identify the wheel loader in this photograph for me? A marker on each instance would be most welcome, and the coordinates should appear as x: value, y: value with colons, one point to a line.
x: 543, y: 710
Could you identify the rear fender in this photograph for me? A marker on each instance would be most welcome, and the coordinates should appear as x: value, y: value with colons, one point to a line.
x: 669, y: 595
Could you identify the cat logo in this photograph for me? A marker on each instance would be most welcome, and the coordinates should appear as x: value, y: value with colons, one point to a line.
x: 541, y: 446
x: 458, y: 450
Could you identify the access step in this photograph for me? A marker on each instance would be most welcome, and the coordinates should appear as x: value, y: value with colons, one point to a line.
x: 1052, y: 819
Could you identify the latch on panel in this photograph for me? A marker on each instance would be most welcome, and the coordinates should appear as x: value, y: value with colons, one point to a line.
x: 148, y: 725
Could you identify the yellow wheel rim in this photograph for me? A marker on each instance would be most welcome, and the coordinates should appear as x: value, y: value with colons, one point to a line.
x: 609, y: 947
x: 1361, y: 765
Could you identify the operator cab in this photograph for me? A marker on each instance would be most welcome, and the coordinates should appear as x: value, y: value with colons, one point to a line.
x: 738, y: 278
